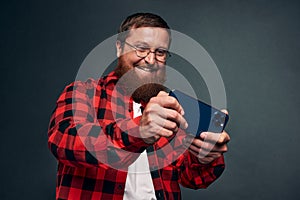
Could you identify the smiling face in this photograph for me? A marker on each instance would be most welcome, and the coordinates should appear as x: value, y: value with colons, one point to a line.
x: 143, y: 70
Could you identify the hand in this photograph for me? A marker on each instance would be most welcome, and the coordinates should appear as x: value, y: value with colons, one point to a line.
x: 209, y: 146
x: 161, y: 118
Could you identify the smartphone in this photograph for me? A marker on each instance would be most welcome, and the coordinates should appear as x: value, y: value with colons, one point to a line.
x: 200, y: 116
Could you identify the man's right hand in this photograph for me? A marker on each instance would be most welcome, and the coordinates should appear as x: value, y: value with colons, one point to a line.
x: 162, y: 117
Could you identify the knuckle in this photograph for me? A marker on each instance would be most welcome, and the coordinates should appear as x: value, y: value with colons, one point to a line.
x: 173, y: 125
x: 174, y: 115
x: 176, y: 129
x: 202, y: 154
x: 162, y: 93
x: 150, y: 108
x: 166, y: 133
x: 153, y: 100
x: 147, y: 111
x: 173, y: 100
x: 225, y: 149
x: 197, y: 142
x: 205, y: 145
x: 221, y: 139
x: 150, y: 121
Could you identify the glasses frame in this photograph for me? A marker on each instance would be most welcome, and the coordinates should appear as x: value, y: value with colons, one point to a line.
x: 138, y: 53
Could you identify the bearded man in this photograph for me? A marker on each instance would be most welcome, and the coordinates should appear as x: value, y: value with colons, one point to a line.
x: 122, y: 136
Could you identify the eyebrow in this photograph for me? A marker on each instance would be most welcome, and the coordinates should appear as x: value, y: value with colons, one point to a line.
x: 147, y: 45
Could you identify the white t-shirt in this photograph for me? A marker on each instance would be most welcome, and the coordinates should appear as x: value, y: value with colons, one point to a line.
x: 139, y: 185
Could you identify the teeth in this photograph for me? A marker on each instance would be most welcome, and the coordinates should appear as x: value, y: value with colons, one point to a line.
x: 146, y: 69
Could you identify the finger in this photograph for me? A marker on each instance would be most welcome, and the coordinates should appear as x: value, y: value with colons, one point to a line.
x: 187, y: 140
x: 163, y: 93
x: 198, y: 146
x: 156, y: 137
x: 220, y: 148
x: 152, y: 129
x: 203, y: 159
x: 168, y: 102
x: 205, y: 145
x: 179, y: 107
x: 201, y: 153
x: 176, y: 117
x: 225, y: 111
x: 168, y: 124
x: 152, y: 139
x: 214, y: 149
x: 163, y: 132
x: 209, y: 147
x: 160, y: 114
x: 197, y: 142
x: 206, y: 160
x: 222, y: 138
x: 210, y: 137
x: 194, y: 149
x: 160, y: 131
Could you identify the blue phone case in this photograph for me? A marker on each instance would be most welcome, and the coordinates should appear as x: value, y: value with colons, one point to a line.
x: 200, y: 116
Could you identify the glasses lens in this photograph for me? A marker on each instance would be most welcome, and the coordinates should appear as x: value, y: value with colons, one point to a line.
x: 142, y: 53
x: 160, y: 58
x: 162, y: 55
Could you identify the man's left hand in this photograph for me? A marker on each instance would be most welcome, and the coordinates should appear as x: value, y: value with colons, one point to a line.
x: 209, y: 146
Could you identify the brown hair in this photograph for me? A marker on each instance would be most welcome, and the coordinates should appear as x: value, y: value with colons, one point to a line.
x: 139, y: 20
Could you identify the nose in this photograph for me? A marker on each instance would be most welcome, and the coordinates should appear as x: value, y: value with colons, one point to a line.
x: 150, y: 58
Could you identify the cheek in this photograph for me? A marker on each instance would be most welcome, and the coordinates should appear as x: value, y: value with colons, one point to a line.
x: 131, y: 59
x: 162, y: 70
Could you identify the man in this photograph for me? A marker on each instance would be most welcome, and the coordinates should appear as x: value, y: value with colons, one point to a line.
x: 108, y: 148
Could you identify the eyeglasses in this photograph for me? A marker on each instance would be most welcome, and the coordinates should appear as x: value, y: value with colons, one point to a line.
x: 141, y: 51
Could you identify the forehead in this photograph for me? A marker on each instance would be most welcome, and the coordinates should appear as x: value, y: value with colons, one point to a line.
x: 153, y: 36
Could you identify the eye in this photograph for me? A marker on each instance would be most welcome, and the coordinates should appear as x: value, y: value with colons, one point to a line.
x: 142, y: 48
x: 161, y: 52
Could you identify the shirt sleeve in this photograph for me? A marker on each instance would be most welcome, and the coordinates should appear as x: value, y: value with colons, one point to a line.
x: 195, y: 175
x: 87, y: 129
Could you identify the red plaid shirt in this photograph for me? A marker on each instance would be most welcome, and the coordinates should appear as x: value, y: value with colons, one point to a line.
x: 94, y: 138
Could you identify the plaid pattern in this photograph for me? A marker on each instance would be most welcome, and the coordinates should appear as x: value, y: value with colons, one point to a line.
x: 94, y: 138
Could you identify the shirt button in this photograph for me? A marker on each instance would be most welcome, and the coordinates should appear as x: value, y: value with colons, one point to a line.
x: 120, y: 187
x: 159, y: 195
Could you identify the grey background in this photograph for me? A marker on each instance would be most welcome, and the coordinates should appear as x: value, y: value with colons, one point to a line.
x: 255, y: 44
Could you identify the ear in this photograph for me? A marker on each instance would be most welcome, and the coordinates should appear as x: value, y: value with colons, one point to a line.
x: 119, y: 48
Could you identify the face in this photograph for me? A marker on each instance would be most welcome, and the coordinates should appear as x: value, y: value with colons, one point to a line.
x: 143, y: 70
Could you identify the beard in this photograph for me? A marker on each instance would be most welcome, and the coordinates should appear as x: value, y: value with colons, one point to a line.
x: 140, y: 89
